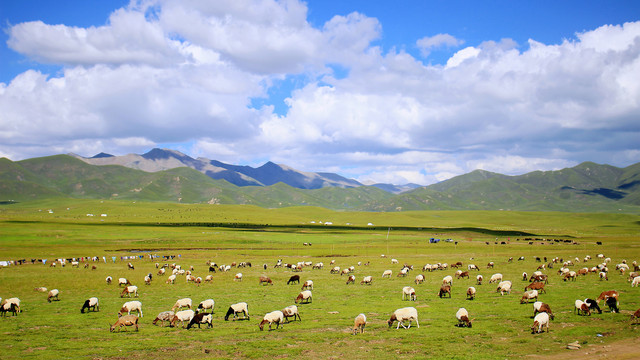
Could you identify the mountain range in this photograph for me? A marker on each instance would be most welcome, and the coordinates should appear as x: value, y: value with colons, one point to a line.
x: 168, y: 175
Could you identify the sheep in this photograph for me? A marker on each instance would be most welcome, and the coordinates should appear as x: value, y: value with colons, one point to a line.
x: 200, y: 318
x: 504, y: 287
x: 359, y: 323
x: 272, y: 317
x: 265, y: 280
x: 635, y: 282
x: 529, y: 295
x: 123, y: 282
x: 404, y: 314
x: 294, y: 279
x: 408, y: 293
x: 206, y: 304
x: 304, y: 297
x: 463, y: 318
x: 607, y: 294
x: 490, y: 265
x: 593, y: 305
x: 479, y: 279
x: 164, y: 316
x: 6, y: 303
x: 161, y: 272
x: 524, y: 276
x: 147, y: 279
x: 291, y: 311
x: 235, y: 309
x: 419, y: 279
x: 495, y: 278
x: 127, y: 320
x: 190, y: 278
x: 612, y: 303
x: 345, y: 271
x: 335, y: 270
x: 471, y: 293
x: 635, y: 315
x: 581, y: 308
x: 182, y: 316
x: 182, y: 303
x: 403, y: 272
x: 308, y: 285
x: 238, y: 277
x: 129, y: 290
x: 366, y: 280
x: 536, y: 286
x: 539, y: 322
x: 90, y: 303
x: 40, y: 289
x: 539, y: 307
x: 350, y: 280
x: 444, y: 289
x: 394, y: 261
x: 53, y: 295
x: 462, y: 274
x: 130, y: 306
x: 387, y: 273
x: 208, y: 278
x: 447, y: 280
x: 171, y: 279
x: 571, y: 275
x: 9, y: 307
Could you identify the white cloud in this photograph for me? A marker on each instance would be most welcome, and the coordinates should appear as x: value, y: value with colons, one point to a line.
x: 428, y: 43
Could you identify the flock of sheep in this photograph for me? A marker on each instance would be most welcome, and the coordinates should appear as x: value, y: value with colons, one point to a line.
x: 184, y: 313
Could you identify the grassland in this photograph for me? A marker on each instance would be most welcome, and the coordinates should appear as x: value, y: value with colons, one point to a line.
x: 225, y: 234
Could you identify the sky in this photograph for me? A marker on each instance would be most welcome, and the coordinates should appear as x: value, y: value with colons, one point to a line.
x: 379, y: 91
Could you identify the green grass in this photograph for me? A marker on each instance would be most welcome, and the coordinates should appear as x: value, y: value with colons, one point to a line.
x: 501, y: 325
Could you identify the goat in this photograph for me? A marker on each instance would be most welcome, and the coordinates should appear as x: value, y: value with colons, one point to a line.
x: 126, y: 320
x: 361, y: 321
x: 236, y: 309
x: 90, y: 303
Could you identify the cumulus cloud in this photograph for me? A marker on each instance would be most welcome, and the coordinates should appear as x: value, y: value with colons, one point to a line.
x: 170, y: 72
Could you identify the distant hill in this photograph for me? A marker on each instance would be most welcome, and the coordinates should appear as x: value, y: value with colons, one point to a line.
x: 587, y: 187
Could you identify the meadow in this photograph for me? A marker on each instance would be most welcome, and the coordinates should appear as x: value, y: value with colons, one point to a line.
x: 226, y: 234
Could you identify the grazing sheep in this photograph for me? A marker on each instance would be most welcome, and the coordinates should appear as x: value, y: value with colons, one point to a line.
x: 635, y: 315
x: 130, y: 306
x: 367, y: 280
x: 90, y: 303
x: 265, y: 280
x: 200, y: 318
x: 291, y: 311
x: 408, y: 293
x: 402, y: 315
x: 473, y: 267
x: 607, y: 294
x: 394, y: 261
x: 463, y: 318
x: 182, y: 316
x: 479, y: 279
x: 539, y: 322
x: 495, y: 278
x: 123, y: 282
x: 444, y: 289
x: 182, y: 303
x: 164, y: 316
x: 524, y: 276
x: 504, y: 287
x: 471, y: 293
x: 635, y: 282
x: 147, y: 279
x: 7, y: 304
x: 53, y: 295
x: 304, y: 297
x: 236, y: 309
x: 462, y: 274
x: 387, y: 273
x: 360, y: 322
x: 529, y: 295
x: 539, y: 307
x: 536, y: 286
x: 40, y: 289
x: 571, y: 275
x: 612, y: 303
x: 490, y: 265
x: 272, y: 317
x: 447, y: 280
x: 308, y: 285
x: 127, y: 320
x: 208, y: 278
x: 129, y: 290
x: 350, y: 280
x: 294, y: 279
x: 238, y: 277
x: 130, y: 266
x: 335, y: 270
x: 109, y: 279
x: 171, y: 279
x: 403, y: 272
x: 581, y: 308
x: 206, y: 304
x: 419, y: 279
x: 593, y: 305
x: 8, y: 307
x: 161, y: 272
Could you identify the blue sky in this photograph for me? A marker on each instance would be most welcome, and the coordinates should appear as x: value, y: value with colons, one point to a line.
x: 406, y: 91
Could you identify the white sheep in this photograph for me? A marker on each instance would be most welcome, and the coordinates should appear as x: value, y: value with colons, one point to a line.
x: 304, y: 297
x: 123, y: 282
x: 206, y: 304
x: 404, y: 314
x: 635, y: 282
x: 529, y: 295
x: 182, y: 316
x: 359, y: 323
x: 291, y: 311
x: 130, y: 306
x: 335, y: 270
x: 495, y: 278
x: 238, y: 277
x: 129, y: 290
x: 367, y: 280
x: 6, y: 304
x: 479, y: 279
x: 91, y: 303
x: 236, y: 309
x: 419, y: 279
x: 581, y: 308
x: 471, y: 293
x: 164, y: 316
x: 147, y: 280
x: 408, y: 293
x: 272, y: 317
x: 539, y: 322
x: 504, y: 287
x: 394, y: 261
x: 447, y: 280
x: 182, y: 303
x: 308, y: 285
x: 171, y: 279
x: 463, y: 318
x: 387, y: 273
x: 53, y: 295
